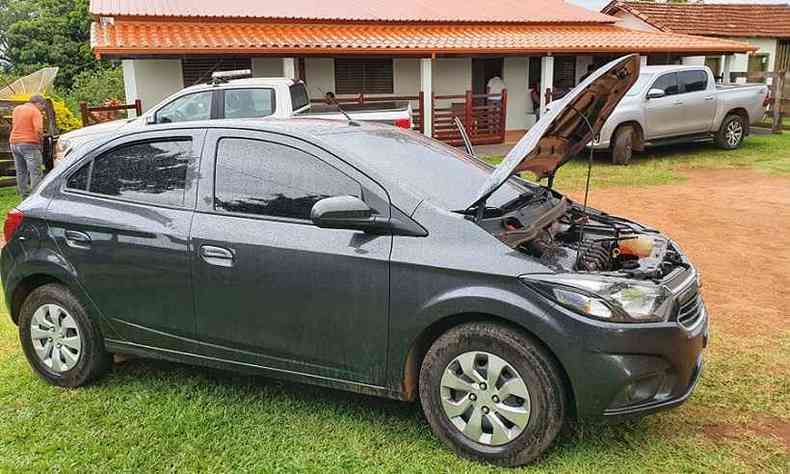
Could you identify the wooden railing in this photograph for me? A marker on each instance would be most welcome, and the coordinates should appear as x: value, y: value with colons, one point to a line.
x: 104, y: 113
x: 483, y: 116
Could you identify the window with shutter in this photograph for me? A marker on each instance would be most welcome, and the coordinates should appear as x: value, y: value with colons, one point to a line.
x: 564, y: 72
x: 196, y: 70
x: 369, y: 76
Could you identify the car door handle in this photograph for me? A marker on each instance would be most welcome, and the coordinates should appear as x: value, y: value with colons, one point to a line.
x: 218, y: 256
x: 78, y: 240
x: 710, y: 97
x: 678, y: 103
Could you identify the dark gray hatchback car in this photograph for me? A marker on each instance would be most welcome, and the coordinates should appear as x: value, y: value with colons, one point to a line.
x: 366, y: 258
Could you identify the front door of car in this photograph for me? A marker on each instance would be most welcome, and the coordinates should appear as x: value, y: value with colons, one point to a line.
x: 121, y: 220
x: 663, y: 114
x: 271, y: 288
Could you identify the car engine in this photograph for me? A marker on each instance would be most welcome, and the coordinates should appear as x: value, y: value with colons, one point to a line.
x: 566, y: 237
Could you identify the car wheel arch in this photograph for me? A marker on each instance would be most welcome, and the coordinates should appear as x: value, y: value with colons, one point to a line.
x: 741, y: 112
x: 422, y: 343
x: 639, y: 138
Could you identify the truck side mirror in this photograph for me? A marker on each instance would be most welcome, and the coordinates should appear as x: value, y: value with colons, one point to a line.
x: 655, y: 93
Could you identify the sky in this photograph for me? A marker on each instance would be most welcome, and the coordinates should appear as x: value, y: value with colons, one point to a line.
x: 598, y: 4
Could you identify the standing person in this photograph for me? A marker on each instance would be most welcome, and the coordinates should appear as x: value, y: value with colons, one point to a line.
x: 495, y: 87
x: 27, y: 131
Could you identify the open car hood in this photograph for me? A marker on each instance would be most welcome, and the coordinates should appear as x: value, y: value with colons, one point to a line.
x: 563, y: 132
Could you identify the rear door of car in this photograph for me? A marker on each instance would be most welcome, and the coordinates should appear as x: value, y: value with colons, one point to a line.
x: 121, y: 219
x: 271, y: 288
x: 698, y: 103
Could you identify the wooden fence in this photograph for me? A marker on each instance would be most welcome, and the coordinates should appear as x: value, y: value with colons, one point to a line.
x: 104, y: 113
x: 483, y: 115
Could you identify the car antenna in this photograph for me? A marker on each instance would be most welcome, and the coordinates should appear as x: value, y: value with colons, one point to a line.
x: 333, y: 100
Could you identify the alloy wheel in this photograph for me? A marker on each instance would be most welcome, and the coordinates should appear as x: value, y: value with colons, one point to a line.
x: 485, y: 398
x: 734, y: 132
x: 56, y: 338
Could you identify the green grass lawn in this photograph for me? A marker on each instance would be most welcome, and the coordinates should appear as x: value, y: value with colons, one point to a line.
x: 156, y: 416
x: 663, y: 165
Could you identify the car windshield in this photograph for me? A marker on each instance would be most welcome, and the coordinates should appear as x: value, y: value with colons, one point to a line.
x: 639, y: 84
x: 438, y: 172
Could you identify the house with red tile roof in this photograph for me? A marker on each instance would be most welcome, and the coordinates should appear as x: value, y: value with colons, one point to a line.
x: 440, y: 54
x: 764, y: 26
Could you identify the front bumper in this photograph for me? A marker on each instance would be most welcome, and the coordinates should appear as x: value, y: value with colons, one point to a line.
x: 619, y: 370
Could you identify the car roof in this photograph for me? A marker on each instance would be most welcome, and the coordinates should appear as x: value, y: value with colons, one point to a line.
x: 246, y: 82
x: 316, y: 131
x: 667, y: 68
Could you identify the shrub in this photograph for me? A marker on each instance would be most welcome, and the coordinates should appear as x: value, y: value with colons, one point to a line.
x: 96, y: 87
x: 64, y: 118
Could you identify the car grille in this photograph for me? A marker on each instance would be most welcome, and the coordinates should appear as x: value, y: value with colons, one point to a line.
x: 691, y: 310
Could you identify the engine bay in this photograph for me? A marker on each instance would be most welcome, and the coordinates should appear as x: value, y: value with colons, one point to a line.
x: 567, y: 237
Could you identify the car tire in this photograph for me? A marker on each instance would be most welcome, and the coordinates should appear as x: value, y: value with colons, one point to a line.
x: 521, y: 439
x: 62, y: 344
x: 623, y: 145
x: 731, y: 133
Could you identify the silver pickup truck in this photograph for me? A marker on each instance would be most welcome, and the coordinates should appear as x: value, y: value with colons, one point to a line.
x: 671, y: 104
x: 275, y: 97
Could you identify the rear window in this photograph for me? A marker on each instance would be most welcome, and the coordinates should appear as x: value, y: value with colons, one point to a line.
x: 693, y: 81
x: 299, y: 97
x: 248, y: 103
x: 152, y: 172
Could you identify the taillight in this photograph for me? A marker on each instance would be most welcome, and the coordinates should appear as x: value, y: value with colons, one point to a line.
x: 767, y: 101
x: 403, y: 123
x: 12, y: 221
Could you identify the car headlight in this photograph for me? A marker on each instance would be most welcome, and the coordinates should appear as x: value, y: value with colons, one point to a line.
x: 606, y: 298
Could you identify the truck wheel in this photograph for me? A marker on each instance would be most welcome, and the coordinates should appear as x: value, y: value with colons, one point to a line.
x: 492, y: 394
x: 731, y: 132
x: 622, y: 147
x: 61, y: 343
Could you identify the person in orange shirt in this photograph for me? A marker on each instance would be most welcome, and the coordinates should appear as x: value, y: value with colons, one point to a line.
x: 27, y: 126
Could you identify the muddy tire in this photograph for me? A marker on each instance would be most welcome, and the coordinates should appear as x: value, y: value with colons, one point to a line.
x: 491, y: 393
x: 731, y: 133
x: 623, y: 145
x: 62, y: 344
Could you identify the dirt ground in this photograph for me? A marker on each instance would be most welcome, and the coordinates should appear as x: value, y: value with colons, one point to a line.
x: 735, y: 227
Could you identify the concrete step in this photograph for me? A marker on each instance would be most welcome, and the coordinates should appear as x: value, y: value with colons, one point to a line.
x: 7, y: 168
x: 7, y: 181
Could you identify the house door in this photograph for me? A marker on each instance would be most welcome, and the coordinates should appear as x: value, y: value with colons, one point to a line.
x: 483, y: 69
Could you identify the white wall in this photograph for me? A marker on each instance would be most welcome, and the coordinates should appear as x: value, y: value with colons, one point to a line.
x: 452, y: 76
x: 319, y: 76
x: 693, y: 61
x: 515, y: 73
x: 627, y: 20
x: 151, y: 80
x: 766, y: 45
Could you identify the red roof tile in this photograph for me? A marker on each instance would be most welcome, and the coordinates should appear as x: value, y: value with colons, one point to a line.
x: 711, y: 19
x: 435, y: 11
x: 138, y: 38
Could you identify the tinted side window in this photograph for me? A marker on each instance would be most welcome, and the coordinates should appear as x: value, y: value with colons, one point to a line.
x: 189, y: 107
x: 693, y: 81
x: 265, y: 178
x: 79, y: 180
x: 667, y: 82
x: 249, y: 103
x: 152, y: 172
x: 298, y: 96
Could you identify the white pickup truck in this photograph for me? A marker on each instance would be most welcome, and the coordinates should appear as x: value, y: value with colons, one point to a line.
x: 236, y: 99
x: 670, y: 104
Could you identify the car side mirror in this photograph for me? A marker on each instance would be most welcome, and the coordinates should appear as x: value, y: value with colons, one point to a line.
x: 150, y: 119
x: 345, y: 212
x: 655, y: 93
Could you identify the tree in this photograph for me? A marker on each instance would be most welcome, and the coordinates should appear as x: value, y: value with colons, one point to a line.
x: 48, y: 33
